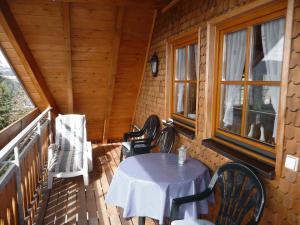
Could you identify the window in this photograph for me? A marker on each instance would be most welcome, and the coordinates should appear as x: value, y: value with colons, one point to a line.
x: 184, y: 81
x: 14, y: 101
x: 248, y: 71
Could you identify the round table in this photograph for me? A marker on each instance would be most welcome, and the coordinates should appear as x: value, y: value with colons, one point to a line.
x: 144, y: 185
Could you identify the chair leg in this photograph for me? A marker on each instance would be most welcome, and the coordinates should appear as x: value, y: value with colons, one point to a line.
x: 121, y: 155
x: 86, y: 179
x: 50, y: 180
x: 142, y: 220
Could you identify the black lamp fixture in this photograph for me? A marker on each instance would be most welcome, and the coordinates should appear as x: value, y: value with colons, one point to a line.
x: 154, y: 64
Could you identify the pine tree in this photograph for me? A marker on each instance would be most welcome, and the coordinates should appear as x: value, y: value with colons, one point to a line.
x: 5, y: 104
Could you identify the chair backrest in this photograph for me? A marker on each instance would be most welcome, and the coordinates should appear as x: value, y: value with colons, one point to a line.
x: 166, y: 139
x: 151, y: 127
x: 70, y: 132
x: 241, y: 192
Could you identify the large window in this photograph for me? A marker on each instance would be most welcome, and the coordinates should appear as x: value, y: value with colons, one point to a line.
x: 184, y: 82
x: 14, y: 101
x: 249, y: 77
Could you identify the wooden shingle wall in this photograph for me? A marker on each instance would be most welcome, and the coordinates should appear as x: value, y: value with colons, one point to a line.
x: 73, y: 44
x: 283, y: 193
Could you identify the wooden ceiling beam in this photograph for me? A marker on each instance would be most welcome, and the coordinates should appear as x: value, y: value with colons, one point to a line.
x: 169, y: 6
x: 114, y: 69
x: 152, y: 4
x: 17, y: 40
x: 68, y: 52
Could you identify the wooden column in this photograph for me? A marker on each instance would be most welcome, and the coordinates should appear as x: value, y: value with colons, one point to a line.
x: 68, y: 52
x: 114, y: 69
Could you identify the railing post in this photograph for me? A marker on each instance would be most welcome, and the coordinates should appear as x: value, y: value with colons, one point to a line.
x: 49, y: 127
x: 18, y: 182
x: 39, y: 133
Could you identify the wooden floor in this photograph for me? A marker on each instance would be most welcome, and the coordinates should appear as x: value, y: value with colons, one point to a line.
x: 69, y: 202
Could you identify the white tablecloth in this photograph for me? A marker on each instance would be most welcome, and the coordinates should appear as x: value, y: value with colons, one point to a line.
x: 144, y: 185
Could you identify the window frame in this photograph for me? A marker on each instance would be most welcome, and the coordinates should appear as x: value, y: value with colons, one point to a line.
x: 184, y: 41
x: 246, y: 22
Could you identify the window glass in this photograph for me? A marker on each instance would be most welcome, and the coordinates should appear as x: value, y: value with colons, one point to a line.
x: 231, y: 108
x: 180, y: 64
x: 267, y: 51
x: 14, y: 101
x: 262, y: 111
x: 234, y: 55
x: 179, y: 98
x: 249, y: 97
x: 191, y: 100
x: 192, y: 62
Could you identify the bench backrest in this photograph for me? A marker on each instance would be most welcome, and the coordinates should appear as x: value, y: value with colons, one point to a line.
x: 70, y: 132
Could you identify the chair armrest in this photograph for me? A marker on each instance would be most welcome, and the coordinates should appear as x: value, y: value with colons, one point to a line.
x: 133, y: 134
x: 134, y: 149
x: 89, y: 155
x: 177, y: 202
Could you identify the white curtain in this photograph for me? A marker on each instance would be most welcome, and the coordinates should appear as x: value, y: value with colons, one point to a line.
x: 180, y: 75
x: 193, y: 62
x: 233, y: 66
x: 272, y: 39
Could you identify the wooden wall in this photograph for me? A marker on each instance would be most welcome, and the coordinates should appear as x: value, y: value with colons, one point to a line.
x: 283, y: 199
x: 91, y: 56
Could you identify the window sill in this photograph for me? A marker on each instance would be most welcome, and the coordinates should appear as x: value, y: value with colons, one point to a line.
x: 182, y: 130
x: 258, y: 166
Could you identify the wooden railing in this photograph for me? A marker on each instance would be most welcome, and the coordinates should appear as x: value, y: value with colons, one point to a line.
x: 22, y: 163
x: 8, y: 133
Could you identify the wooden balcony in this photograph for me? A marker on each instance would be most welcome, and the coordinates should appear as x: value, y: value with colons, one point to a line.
x: 23, y: 183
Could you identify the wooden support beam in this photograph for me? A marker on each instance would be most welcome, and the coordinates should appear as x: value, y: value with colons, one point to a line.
x: 145, y: 63
x: 151, y: 4
x: 68, y: 52
x: 17, y: 40
x: 169, y: 6
x: 113, y: 68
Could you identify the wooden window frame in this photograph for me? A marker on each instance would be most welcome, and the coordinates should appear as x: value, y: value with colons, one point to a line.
x: 184, y: 41
x: 210, y: 79
x: 277, y: 11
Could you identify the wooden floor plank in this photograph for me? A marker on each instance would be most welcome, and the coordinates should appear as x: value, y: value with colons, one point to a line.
x: 69, y: 202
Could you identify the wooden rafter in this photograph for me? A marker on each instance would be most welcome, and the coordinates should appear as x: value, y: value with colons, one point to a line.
x: 67, y: 37
x: 169, y: 6
x: 114, y: 69
x: 17, y: 40
x: 153, y: 4
x: 145, y: 63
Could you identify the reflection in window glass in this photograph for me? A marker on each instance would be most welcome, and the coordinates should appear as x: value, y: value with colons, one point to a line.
x: 191, y: 100
x: 231, y: 108
x: 14, y: 102
x: 267, y: 51
x: 234, y: 55
x: 192, y: 62
x: 262, y: 112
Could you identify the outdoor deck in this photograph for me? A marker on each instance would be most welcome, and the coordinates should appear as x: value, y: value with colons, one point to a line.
x: 69, y: 202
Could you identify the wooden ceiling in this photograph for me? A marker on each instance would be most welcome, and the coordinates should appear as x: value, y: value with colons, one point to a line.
x: 81, y: 56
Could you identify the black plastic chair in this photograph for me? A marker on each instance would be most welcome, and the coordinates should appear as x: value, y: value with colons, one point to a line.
x: 241, y: 192
x: 166, y: 140
x: 133, y: 143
